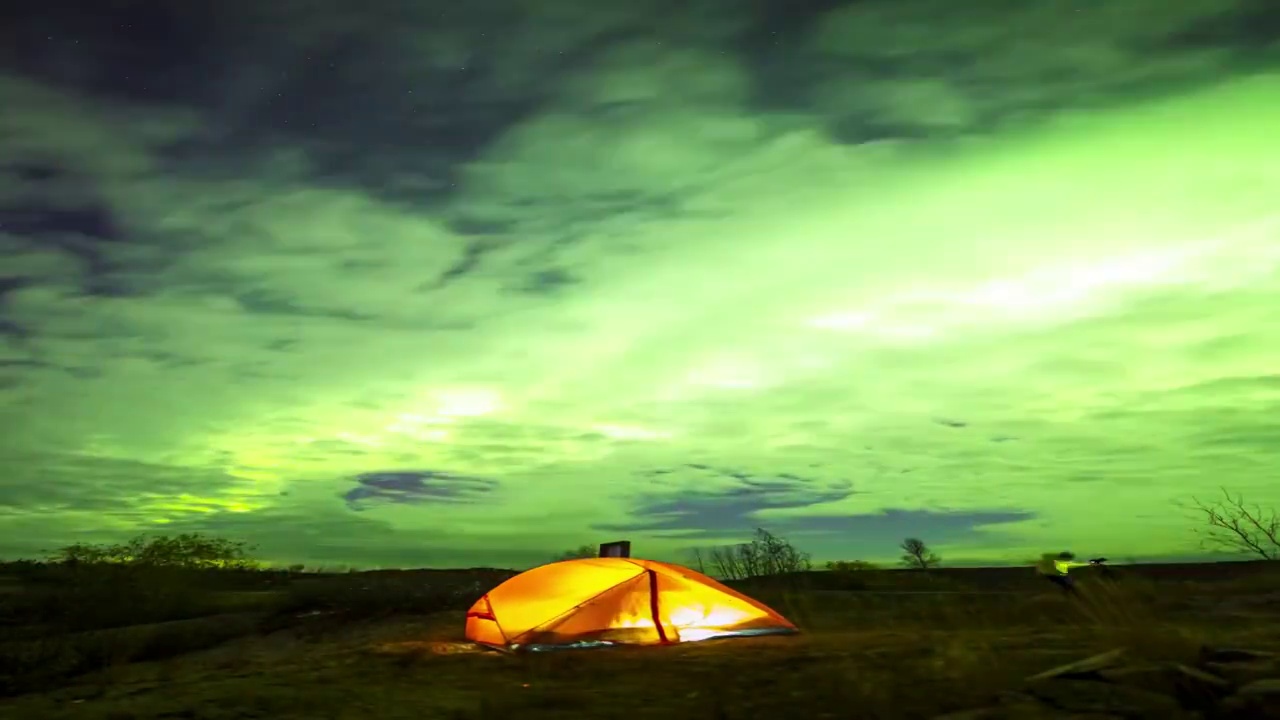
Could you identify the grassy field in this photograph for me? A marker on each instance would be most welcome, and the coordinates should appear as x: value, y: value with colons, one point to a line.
x: 389, y: 645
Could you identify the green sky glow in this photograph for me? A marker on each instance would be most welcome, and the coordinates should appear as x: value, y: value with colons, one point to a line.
x: 1047, y: 336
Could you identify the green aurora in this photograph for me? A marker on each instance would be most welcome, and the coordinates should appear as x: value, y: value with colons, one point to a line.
x: 1005, y: 338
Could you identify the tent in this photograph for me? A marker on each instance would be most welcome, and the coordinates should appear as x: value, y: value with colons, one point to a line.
x: 607, y: 601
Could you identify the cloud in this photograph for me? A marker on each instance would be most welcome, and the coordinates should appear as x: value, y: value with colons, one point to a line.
x: 872, y: 531
x: 100, y: 483
x: 415, y: 487
x: 331, y: 536
x: 796, y: 507
x: 876, y: 269
x: 731, y: 509
x: 889, y: 73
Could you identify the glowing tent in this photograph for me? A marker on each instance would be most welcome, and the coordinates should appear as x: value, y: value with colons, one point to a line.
x: 605, y: 601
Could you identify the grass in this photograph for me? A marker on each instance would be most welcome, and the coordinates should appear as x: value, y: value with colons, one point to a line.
x: 389, y: 646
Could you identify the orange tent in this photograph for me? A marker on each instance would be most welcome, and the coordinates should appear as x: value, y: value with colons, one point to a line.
x: 605, y: 601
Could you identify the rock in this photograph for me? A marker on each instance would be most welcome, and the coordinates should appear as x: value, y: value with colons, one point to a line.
x: 1229, y: 684
x: 974, y: 714
x: 1083, y: 668
x: 1240, y: 666
x: 1016, y: 698
x: 1192, y: 688
x: 1031, y: 710
x: 982, y: 713
x: 1092, y: 696
x: 1241, y: 673
x: 1267, y: 687
x: 1234, y: 655
x: 1259, y: 700
x: 1022, y: 706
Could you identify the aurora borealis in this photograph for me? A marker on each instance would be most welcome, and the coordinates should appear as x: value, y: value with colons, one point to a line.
x: 391, y: 286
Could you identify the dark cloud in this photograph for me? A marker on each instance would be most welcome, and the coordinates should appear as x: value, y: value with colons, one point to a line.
x: 730, y: 514
x: 550, y: 281
x: 937, y: 526
x: 1259, y: 437
x: 48, y: 206
x: 416, y: 486
x: 69, y: 481
x: 719, y: 512
x: 94, y: 222
x: 1228, y: 391
x: 448, y: 85
x: 270, y: 302
x: 9, y: 327
x: 889, y: 74
x: 329, y: 536
x: 465, y: 265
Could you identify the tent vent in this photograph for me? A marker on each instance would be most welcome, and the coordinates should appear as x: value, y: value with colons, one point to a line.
x: 616, y: 549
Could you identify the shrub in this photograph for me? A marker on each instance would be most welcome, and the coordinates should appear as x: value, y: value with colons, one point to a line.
x: 190, y: 551
x: 849, y: 574
x: 85, y: 597
x: 369, y: 595
x: 851, y: 566
x: 38, y: 664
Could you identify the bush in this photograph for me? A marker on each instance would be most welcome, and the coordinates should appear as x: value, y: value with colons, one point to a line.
x: 369, y: 595
x: 191, y: 551
x: 142, y: 581
x: 85, y: 597
x: 849, y: 574
x: 851, y: 566
x: 38, y: 664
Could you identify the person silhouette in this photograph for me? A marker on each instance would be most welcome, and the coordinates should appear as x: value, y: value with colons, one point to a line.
x: 1056, y: 568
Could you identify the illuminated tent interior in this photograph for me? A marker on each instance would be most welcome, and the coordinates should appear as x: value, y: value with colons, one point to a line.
x: 608, y: 601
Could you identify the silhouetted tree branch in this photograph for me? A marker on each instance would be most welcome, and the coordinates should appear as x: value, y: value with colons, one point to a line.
x: 1235, y: 526
x: 698, y: 561
x: 766, y: 555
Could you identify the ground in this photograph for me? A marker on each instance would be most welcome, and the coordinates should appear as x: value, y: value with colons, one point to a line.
x: 900, y: 646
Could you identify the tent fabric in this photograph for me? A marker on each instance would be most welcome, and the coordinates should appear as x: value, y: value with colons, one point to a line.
x: 614, y: 601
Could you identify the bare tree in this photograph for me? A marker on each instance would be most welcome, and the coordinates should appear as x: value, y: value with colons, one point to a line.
x: 779, y: 556
x: 1236, y: 526
x: 697, y: 561
x: 766, y: 555
x: 724, y: 563
x: 915, y: 554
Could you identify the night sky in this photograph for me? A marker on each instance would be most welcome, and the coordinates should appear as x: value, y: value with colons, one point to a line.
x: 377, y: 284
